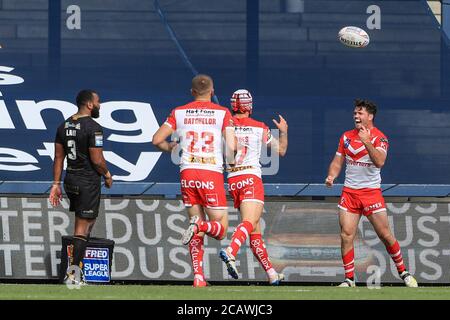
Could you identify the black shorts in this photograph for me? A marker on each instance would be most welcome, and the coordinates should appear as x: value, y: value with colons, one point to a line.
x: 84, y: 196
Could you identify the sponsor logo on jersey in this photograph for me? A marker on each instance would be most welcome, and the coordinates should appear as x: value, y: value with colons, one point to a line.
x: 352, y: 162
x: 243, y: 129
x: 98, y: 139
x: 202, y: 112
x: 347, y: 143
x: 68, y: 125
x: 202, y: 160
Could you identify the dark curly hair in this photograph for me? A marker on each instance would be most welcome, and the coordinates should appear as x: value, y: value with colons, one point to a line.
x: 370, y: 107
x: 85, y: 96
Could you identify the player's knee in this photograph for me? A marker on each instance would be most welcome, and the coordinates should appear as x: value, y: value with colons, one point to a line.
x: 347, y: 236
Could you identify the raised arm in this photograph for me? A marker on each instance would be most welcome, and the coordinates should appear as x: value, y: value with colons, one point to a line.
x: 280, y: 146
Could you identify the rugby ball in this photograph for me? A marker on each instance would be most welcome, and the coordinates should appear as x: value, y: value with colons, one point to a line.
x: 353, y: 37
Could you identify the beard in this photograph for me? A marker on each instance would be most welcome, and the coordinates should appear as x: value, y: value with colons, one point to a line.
x: 95, y: 113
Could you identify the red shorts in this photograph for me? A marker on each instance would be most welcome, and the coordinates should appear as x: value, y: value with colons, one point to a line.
x: 362, y: 201
x: 203, y: 187
x: 246, y: 187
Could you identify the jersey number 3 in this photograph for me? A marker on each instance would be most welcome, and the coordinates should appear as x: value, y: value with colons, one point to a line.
x: 72, y: 155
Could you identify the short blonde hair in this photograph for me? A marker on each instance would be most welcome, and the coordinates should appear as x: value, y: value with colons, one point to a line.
x: 201, y: 84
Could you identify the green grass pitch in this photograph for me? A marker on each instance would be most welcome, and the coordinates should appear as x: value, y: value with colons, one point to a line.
x: 185, y: 292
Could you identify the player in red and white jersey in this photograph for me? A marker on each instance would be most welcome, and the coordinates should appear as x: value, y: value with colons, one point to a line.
x: 201, y: 126
x: 364, y: 150
x: 245, y: 184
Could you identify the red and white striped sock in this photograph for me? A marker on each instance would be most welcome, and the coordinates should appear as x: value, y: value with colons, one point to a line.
x: 348, y: 260
x: 196, y: 251
x: 212, y: 228
x: 239, y: 237
x: 260, y: 252
x: 396, y: 254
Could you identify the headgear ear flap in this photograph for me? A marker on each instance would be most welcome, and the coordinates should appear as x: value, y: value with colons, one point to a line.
x: 242, y: 101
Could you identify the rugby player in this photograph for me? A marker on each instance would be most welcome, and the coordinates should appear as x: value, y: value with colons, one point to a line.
x: 201, y: 126
x: 245, y: 184
x: 364, y: 150
x: 79, y: 139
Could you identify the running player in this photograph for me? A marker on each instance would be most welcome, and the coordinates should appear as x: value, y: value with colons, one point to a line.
x: 201, y: 126
x: 80, y: 139
x: 245, y: 184
x: 364, y: 150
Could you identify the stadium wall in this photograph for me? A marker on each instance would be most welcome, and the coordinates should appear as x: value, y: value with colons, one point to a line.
x: 302, y: 237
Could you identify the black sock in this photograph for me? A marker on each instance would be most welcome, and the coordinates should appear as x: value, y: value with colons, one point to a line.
x: 79, y: 248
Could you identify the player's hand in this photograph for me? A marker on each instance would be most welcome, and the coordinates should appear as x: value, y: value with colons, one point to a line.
x: 282, y: 125
x: 173, y: 145
x: 108, y: 182
x: 364, y: 134
x: 55, y: 196
x: 329, y: 181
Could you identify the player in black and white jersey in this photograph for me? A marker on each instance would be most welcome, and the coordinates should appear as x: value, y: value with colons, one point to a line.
x: 79, y: 139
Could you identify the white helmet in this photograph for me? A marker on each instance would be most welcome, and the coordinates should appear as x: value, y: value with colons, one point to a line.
x: 242, y: 101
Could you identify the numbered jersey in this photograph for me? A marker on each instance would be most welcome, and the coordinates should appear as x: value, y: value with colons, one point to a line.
x: 251, y: 135
x: 360, y: 171
x: 199, y: 126
x: 77, y: 136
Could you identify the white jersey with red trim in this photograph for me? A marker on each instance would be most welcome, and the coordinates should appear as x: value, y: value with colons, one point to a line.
x: 250, y: 134
x: 360, y: 171
x: 200, y: 127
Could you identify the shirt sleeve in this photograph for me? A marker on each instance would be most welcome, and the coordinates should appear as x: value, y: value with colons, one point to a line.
x: 171, y: 121
x: 58, y: 138
x: 382, y: 144
x: 341, y: 150
x: 96, y: 137
x: 227, y: 120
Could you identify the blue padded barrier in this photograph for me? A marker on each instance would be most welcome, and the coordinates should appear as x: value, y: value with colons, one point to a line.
x: 168, y: 190
x: 25, y: 187
x: 172, y: 190
x: 282, y: 189
x: 126, y: 188
x: 418, y: 190
x: 315, y: 189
